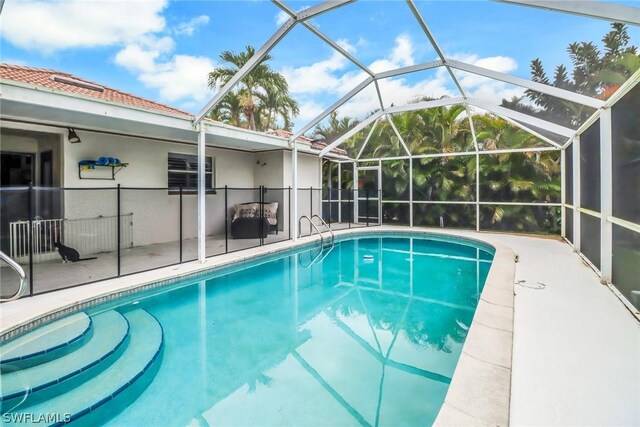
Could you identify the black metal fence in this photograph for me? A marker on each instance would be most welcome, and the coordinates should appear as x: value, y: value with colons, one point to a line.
x: 112, y: 232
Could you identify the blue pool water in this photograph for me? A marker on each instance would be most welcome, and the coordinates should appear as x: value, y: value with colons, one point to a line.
x: 370, y: 335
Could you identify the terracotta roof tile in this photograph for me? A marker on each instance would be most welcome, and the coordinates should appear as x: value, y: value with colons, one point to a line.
x: 314, y: 143
x: 61, y: 81
x: 57, y: 80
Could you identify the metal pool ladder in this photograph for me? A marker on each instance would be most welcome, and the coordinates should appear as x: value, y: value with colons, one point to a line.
x: 322, y: 254
x: 23, y: 277
x: 315, y: 227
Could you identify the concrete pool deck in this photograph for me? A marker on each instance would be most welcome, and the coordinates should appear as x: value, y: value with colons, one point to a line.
x: 576, y: 347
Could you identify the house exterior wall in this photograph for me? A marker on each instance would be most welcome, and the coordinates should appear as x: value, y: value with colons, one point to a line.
x: 308, y: 177
x: 268, y: 170
x: 156, y: 213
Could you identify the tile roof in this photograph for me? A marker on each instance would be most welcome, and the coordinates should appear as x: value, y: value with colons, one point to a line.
x: 313, y: 143
x: 57, y: 80
x: 61, y: 81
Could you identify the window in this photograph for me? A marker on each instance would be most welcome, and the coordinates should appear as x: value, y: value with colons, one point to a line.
x: 183, y: 172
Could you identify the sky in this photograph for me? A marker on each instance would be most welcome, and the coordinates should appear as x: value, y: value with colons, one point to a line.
x: 164, y: 50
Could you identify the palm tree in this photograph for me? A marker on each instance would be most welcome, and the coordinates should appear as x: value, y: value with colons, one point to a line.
x: 504, y: 177
x: 524, y: 177
x: 260, y: 84
x: 229, y: 111
x: 334, y: 128
x: 276, y: 105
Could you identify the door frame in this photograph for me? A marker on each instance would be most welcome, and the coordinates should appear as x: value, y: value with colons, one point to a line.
x: 357, y: 196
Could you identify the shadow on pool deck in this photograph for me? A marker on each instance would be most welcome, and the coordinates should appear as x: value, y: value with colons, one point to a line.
x: 52, y: 275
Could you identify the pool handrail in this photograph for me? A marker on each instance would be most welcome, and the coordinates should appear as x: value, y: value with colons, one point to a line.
x: 20, y: 271
x: 312, y: 224
x: 321, y: 254
x: 333, y: 236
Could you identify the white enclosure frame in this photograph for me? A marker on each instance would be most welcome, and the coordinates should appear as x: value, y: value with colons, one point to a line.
x: 606, y: 191
x: 593, y: 9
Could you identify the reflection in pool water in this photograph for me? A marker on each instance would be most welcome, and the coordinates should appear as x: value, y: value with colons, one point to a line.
x: 342, y: 342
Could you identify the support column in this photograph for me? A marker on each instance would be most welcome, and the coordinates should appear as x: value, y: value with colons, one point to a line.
x: 379, y: 192
x: 339, y: 192
x: 477, y: 191
x: 606, y: 198
x: 355, y: 193
x: 576, y: 193
x: 202, y: 219
x: 563, y: 192
x: 411, y: 194
x: 294, y: 185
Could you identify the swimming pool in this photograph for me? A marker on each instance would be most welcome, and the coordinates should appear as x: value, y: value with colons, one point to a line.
x: 368, y: 333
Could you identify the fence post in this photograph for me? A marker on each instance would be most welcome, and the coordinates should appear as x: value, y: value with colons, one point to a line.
x: 119, y: 229
x: 180, y: 226
x: 31, y: 215
x: 366, y: 210
x: 289, y: 212
x: 330, y: 207
x: 350, y: 207
x: 226, y: 220
x: 261, y: 228
x: 311, y: 208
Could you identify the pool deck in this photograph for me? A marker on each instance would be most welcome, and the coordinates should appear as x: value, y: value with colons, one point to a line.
x: 576, y: 347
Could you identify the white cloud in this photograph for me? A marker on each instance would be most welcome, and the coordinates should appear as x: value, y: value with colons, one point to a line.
x: 281, y: 18
x: 189, y: 27
x: 403, y: 51
x: 317, y: 77
x: 330, y: 76
x: 65, y: 24
x: 309, y: 109
x: 183, y: 76
x: 177, y: 77
x: 483, y: 87
x: 136, y: 27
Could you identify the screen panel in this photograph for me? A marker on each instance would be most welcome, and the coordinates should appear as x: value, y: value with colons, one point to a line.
x: 626, y: 263
x: 568, y: 218
x: 520, y: 219
x: 625, y: 116
x: 444, y: 215
x: 568, y: 175
x: 520, y: 177
x: 590, y: 168
x: 590, y: 238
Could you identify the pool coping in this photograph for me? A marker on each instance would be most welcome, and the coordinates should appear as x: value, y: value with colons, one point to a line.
x: 480, y: 389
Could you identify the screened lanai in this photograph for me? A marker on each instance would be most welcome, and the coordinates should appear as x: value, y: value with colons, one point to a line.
x: 441, y: 226
x: 436, y: 142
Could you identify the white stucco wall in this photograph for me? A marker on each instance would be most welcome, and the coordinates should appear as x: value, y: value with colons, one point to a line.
x: 308, y: 176
x: 155, y: 212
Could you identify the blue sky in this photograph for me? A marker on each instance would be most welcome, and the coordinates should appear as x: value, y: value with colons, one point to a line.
x: 163, y: 50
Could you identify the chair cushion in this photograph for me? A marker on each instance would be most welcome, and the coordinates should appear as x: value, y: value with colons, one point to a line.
x: 271, y: 211
x: 245, y: 210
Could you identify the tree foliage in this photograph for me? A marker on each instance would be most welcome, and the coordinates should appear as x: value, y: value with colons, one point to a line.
x: 596, y: 71
x: 523, y: 177
x: 260, y: 101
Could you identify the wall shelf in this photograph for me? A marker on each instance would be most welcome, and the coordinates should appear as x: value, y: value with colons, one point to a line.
x: 90, y: 165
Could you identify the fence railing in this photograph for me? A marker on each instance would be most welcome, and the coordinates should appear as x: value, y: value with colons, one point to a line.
x: 86, y: 235
x: 118, y: 231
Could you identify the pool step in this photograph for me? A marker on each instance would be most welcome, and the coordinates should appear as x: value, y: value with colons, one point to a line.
x: 109, y: 332
x: 46, y: 343
x: 144, y: 346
